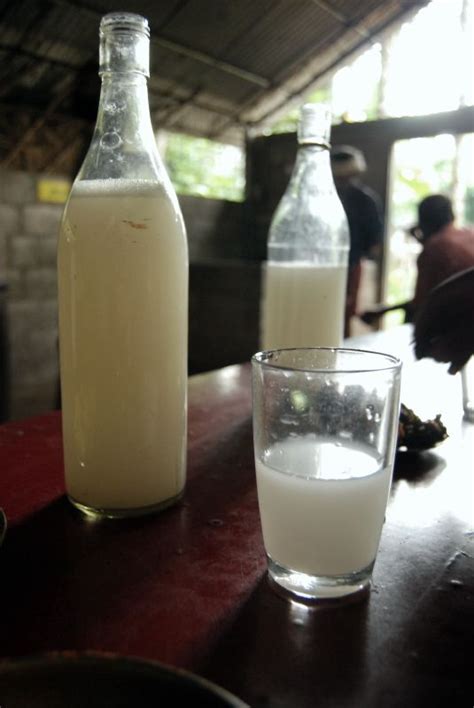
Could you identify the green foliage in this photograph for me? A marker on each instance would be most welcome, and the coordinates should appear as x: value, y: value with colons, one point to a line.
x: 289, y: 122
x: 286, y: 124
x: 321, y: 95
x: 469, y: 205
x: 412, y: 184
x: 205, y: 168
x: 423, y: 166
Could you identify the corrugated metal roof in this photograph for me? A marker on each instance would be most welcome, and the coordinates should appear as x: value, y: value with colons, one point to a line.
x: 218, y: 66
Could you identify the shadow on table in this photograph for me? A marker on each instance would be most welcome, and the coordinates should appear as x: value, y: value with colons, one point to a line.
x: 66, y: 579
x: 283, y: 653
x: 417, y: 466
x: 61, y: 574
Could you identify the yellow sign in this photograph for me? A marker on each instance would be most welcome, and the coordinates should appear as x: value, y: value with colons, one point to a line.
x: 54, y: 191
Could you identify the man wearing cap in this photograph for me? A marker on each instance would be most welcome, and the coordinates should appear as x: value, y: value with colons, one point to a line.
x: 447, y: 249
x: 364, y: 214
x: 443, y: 303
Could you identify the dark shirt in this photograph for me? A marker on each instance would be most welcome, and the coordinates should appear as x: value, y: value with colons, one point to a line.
x: 364, y: 214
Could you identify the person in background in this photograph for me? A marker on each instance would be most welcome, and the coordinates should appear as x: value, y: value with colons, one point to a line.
x: 447, y: 250
x: 364, y: 214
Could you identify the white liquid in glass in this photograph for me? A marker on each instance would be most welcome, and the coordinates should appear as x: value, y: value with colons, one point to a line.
x: 322, y: 505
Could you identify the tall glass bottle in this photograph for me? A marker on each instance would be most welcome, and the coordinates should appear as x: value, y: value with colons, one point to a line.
x: 123, y: 301
x: 306, y: 271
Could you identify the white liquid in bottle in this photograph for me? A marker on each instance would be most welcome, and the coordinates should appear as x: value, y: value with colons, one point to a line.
x: 122, y: 263
x: 303, y: 305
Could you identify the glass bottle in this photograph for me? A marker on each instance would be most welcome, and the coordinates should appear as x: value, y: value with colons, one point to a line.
x: 308, y: 246
x: 123, y: 301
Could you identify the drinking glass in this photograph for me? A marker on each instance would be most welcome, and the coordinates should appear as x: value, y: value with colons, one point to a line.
x: 325, y: 425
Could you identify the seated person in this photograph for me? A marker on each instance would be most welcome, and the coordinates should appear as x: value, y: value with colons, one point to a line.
x: 447, y: 250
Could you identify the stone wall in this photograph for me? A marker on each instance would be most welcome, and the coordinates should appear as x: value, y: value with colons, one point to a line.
x: 28, y: 237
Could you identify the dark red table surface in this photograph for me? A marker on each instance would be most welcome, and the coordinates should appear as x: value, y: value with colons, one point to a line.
x: 188, y: 587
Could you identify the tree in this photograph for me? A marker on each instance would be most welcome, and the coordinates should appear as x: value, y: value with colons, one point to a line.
x: 205, y: 168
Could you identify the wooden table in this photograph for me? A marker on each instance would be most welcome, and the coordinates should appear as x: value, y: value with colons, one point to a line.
x: 189, y: 588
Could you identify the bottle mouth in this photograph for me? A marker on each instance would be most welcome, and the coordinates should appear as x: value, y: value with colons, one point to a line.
x: 124, y: 22
x: 124, y: 44
x: 314, y: 126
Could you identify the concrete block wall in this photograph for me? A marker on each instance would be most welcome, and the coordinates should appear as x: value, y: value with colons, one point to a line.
x: 28, y: 239
x: 216, y: 228
x: 224, y: 307
x: 28, y: 242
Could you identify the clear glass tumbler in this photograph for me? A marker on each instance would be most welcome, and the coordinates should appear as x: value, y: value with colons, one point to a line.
x: 325, y: 425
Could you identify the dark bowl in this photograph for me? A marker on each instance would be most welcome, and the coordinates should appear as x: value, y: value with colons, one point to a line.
x: 95, y: 680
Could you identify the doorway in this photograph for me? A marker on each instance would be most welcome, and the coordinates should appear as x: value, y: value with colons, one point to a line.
x: 419, y: 167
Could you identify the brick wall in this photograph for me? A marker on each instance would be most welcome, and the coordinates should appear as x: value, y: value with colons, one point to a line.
x: 28, y: 237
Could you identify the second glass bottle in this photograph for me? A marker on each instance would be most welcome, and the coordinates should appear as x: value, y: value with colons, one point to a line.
x: 304, y: 287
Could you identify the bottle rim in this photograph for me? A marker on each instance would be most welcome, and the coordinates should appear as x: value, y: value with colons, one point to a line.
x: 314, y: 125
x: 124, y: 22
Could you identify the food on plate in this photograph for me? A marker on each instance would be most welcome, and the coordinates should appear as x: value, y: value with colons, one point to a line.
x: 417, y: 434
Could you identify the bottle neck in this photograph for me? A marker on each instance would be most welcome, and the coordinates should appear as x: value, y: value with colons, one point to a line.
x: 316, y: 142
x: 314, y: 149
x: 309, y: 224
x: 124, y: 115
x: 123, y: 145
x: 123, y: 119
x: 312, y: 171
x: 314, y: 126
